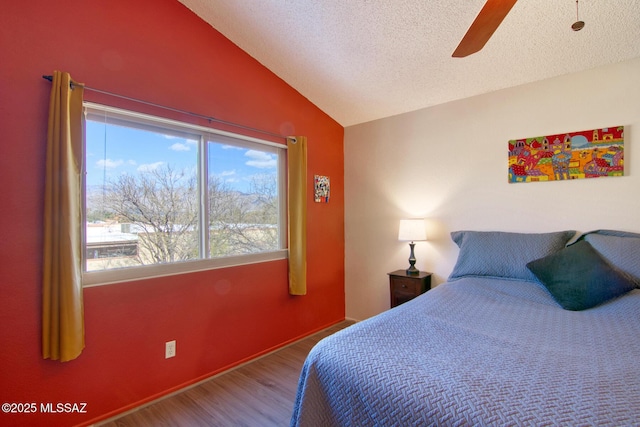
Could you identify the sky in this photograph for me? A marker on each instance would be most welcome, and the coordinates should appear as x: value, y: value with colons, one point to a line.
x: 112, y: 150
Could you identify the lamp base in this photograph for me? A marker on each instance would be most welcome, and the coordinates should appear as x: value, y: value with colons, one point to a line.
x: 412, y: 261
x: 412, y: 271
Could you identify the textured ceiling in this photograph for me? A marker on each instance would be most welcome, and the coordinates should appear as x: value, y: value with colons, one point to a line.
x: 361, y: 60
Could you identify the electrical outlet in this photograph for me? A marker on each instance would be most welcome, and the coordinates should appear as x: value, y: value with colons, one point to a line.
x: 170, y: 349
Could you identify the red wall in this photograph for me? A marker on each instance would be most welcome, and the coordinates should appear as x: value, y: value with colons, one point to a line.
x: 159, y: 51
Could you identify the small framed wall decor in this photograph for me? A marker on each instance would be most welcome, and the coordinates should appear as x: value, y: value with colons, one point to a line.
x: 322, y: 188
x: 573, y: 155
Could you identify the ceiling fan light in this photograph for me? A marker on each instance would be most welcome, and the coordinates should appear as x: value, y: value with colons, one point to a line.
x: 578, y: 25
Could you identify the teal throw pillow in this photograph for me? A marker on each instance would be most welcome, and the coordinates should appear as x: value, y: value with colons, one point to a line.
x: 579, y: 278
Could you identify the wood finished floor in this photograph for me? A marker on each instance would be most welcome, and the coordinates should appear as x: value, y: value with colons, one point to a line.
x: 260, y: 393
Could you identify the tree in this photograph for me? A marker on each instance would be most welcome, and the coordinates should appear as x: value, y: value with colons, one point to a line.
x: 243, y: 223
x: 162, y: 207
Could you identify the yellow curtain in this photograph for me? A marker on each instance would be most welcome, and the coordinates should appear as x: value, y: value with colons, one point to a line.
x: 297, y: 197
x: 62, y: 305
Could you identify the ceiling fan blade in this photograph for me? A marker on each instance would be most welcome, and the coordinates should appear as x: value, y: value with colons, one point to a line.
x: 485, y: 24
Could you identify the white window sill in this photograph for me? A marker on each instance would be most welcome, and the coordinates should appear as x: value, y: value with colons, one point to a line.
x: 99, y: 278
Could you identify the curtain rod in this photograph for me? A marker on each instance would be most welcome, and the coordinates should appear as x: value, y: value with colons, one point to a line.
x: 201, y: 116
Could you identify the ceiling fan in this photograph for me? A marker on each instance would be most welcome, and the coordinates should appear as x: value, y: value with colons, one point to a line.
x: 485, y: 24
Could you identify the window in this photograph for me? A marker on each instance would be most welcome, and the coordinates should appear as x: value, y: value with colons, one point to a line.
x: 163, y: 197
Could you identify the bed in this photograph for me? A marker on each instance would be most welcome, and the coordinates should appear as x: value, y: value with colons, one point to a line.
x: 527, y: 331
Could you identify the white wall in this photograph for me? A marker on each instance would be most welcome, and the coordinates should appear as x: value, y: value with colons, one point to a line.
x: 448, y: 164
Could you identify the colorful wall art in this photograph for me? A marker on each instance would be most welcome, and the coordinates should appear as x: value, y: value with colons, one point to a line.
x: 587, y: 154
x: 321, y: 184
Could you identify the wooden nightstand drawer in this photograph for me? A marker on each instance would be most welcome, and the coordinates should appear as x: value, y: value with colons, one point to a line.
x: 404, y: 287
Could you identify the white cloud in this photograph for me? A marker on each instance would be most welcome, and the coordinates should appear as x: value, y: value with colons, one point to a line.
x: 149, y: 167
x: 187, y: 140
x: 260, y: 159
x: 230, y: 176
x: 178, y: 146
x: 109, y: 164
x: 231, y: 147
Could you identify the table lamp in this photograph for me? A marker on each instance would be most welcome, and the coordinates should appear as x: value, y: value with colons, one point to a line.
x: 412, y: 230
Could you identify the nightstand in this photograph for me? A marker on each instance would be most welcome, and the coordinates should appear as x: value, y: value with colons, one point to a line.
x: 404, y: 287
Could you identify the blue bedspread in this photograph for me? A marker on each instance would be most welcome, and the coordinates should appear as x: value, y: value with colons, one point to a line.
x: 478, y: 351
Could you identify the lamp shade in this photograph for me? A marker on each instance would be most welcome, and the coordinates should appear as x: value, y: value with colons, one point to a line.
x: 412, y: 230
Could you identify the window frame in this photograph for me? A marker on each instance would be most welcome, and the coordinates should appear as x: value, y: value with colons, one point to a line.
x: 146, y: 121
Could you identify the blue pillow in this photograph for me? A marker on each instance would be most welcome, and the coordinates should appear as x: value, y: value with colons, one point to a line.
x: 622, y: 253
x: 502, y: 254
x: 578, y: 278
